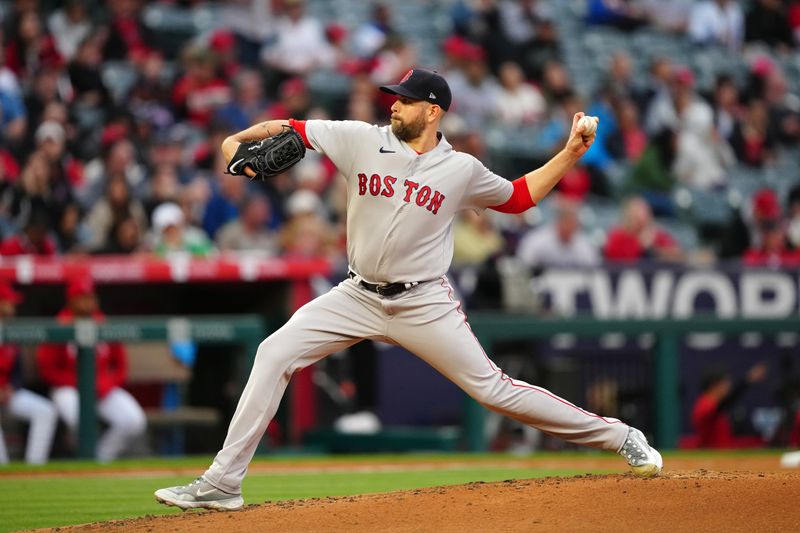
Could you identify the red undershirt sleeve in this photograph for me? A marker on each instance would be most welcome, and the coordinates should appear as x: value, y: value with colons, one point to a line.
x: 520, y: 199
x: 300, y: 127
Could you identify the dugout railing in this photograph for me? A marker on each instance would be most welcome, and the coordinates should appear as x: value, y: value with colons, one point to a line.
x: 492, y: 327
x: 247, y: 330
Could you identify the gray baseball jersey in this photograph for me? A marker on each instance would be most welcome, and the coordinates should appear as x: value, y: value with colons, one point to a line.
x: 400, y: 207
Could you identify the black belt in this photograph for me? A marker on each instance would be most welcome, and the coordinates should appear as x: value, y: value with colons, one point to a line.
x: 384, y: 289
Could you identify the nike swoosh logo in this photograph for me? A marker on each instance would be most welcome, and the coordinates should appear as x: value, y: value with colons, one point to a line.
x: 203, y: 493
x: 385, y: 151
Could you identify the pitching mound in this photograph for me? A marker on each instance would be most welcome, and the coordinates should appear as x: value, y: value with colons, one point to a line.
x: 677, y: 501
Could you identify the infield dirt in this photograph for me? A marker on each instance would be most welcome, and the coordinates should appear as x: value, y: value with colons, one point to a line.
x: 682, y: 500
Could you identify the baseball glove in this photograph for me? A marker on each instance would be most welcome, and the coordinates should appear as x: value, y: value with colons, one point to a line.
x: 268, y: 157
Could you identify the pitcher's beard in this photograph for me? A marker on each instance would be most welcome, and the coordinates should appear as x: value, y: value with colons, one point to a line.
x: 408, y: 131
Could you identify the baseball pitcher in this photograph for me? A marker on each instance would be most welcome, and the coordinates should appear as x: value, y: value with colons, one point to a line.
x: 405, y: 185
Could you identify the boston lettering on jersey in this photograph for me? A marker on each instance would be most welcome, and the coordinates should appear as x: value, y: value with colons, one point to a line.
x: 423, y: 196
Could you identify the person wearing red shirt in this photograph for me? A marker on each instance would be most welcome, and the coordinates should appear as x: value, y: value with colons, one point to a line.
x: 200, y: 92
x: 710, y: 419
x: 770, y: 247
x: 639, y: 237
x: 33, y: 239
x: 22, y: 403
x: 57, y: 366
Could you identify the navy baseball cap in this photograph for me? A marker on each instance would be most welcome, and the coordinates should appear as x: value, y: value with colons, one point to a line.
x: 421, y: 84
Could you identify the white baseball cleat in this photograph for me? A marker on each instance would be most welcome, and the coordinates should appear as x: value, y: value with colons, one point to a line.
x: 199, y: 494
x: 644, y: 460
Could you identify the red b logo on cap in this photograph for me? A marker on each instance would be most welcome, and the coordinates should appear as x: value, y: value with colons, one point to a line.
x: 408, y: 75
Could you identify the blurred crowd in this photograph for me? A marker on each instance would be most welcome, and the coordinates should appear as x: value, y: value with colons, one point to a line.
x: 112, y: 115
x: 109, y: 138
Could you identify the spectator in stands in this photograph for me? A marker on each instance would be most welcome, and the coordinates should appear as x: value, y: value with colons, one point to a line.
x: 150, y: 94
x: 124, y: 238
x: 228, y: 194
x: 727, y: 108
x: 659, y: 76
x: 556, y: 83
x: 34, y: 239
x: 248, y: 102
x: 30, y: 47
x: 393, y: 60
x: 784, y: 116
x: 9, y: 82
x: 672, y: 108
x: 306, y: 233
x: 64, y: 170
x: 118, y: 158
x: 299, y: 46
x: 117, y: 203
x: 461, y: 137
x: 560, y: 243
x: 767, y: 22
x: 164, y: 186
x: 249, y: 231
x: 222, y: 44
x: 57, y: 364
x: 752, y: 140
x: 710, y: 419
x: 251, y: 22
x: 517, y: 103
x: 702, y: 159
x: 475, y: 240
x: 639, y: 237
x: 747, y: 227
x: 71, y: 234
x: 84, y: 74
x: 13, y: 120
x: 168, y: 150
x: 200, y: 91
x: 32, y: 191
x: 19, y: 402
x: 44, y: 90
x: 475, y: 91
x: 127, y: 37
x: 171, y: 234
x: 620, y: 77
x: 370, y: 37
x: 293, y: 101
x: 69, y: 25
x: 527, y: 26
x: 628, y: 140
x: 772, y: 248
x: 717, y: 23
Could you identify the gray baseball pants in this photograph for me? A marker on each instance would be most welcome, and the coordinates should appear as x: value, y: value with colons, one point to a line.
x: 427, y: 321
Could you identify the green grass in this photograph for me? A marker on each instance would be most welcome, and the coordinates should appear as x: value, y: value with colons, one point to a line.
x: 48, y: 501
x: 55, y: 500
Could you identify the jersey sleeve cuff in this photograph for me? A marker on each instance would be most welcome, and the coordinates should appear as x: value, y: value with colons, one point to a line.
x: 300, y: 127
x: 520, y: 198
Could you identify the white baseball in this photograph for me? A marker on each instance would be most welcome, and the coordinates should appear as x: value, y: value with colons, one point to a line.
x: 589, y: 125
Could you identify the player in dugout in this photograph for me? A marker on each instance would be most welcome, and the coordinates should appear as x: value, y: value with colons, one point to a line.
x: 57, y: 365
x: 405, y: 186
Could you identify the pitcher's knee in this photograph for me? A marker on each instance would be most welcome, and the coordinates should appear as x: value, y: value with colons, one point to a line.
x: 276, y: 353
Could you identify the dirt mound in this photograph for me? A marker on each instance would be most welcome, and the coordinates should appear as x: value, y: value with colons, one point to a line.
x: 698, y: 500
